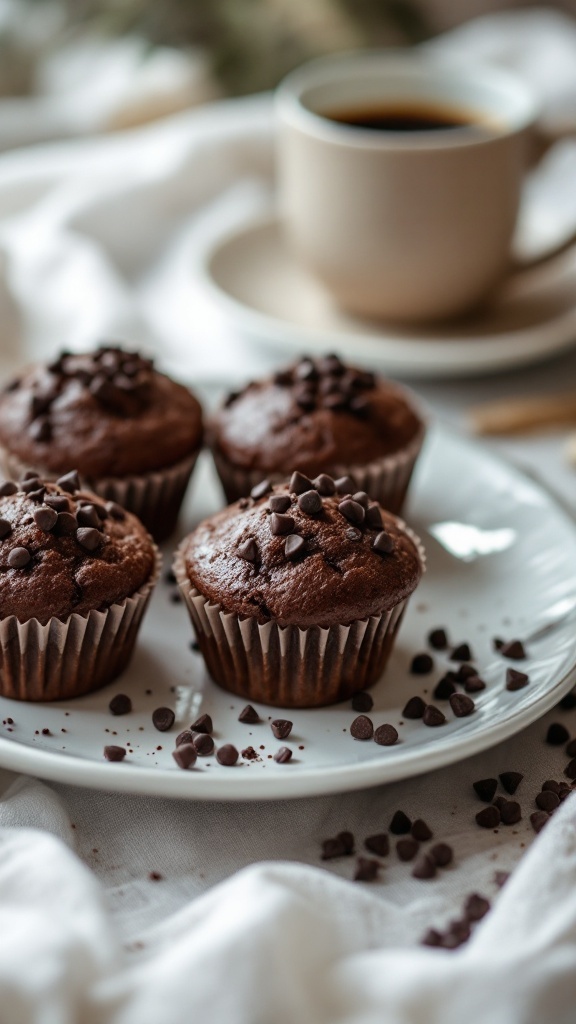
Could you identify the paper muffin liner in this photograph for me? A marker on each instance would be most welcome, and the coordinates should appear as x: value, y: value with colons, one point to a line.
x: 156, y: 497
x: 67, y: 659
x: 386, y: 480
x: 290, y: 666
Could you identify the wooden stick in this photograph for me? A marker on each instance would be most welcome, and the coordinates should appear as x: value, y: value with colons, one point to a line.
x: 524, y: 415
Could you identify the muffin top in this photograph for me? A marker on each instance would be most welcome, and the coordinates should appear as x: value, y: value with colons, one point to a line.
x: 317, y: 414
x: 303, y: 553
x: 108, y: 412
x: 63, y: 550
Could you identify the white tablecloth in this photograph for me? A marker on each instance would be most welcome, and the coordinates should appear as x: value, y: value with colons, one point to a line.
x: 87, y: 934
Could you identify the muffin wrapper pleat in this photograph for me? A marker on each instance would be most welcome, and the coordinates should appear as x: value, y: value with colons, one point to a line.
x: 290, y: 666
x: 61, y: 660
x: 154, y: 497
x: 386, y: 480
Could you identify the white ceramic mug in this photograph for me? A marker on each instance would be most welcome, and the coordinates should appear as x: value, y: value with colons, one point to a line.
x: 409, y: 226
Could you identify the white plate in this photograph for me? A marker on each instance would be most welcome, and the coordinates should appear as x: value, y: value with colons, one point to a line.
x: 511, y: 570
x: 267, y: 295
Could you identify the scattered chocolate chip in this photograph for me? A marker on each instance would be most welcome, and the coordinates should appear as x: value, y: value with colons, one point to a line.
x: 88, y: 516
x: 115, y: 510
x: 550, y: 786
x: 414, y: 708
x: 352, y: 511
x: 474, y: 684
x: 310, y: 503
x: 433, y: 716
x: 499, y: 802
x: 281, y: 728
x: 510, y: 781
x: 227, y: 755
x: 461, y: 653
x: 386, y: 735
x: 513, y: 649
x: 248, y: 550
x: 203, y: 724
x: 89, y: 538
x: 5, y: 528
x: 475, y: 907
x: 570, y: 769
x: 378, y: 844
x: 163, y: 719
x: 345, y: 485
x: 500, y: 878
x: 362, y: 498
x: 186, y: 736
x: 421, y: 831
x: 538, y: 819
x: 260, y: 490
x: 59, y: 502
x: 249, y: 715
x: 66, y: 524
x: 441, y: 854
x: 280, y: 524
x: 362, y: 728
x: 366, y: 870
x: 516, y: 680
x: 407, y: 849
x: 424, y: 868
x: 294, y: 545
x: 120, y: 704
x: 383, y: 543
x: 373, y: 517
x: 185, y: 755
x: 353, y: 534
x: 510, y: 812
x: 568, y: 703
x: 488, y: 817
x: 113, y: 753
x: 347, y: 841
x: 30, y: 484
x: 362, y: 701
x: 485, y: 789
x: 400, y: 824
x: 204, y: 744
x: 461, y: 705
x: 571, y: 748
x: 70, y: 482
x: 464, y: 672
x: 325, y: 485
x: 438, y: 640
x: 421, y: 664
x: 547, y: 801
x: 444, y: 688
x: 19, y: 558
x: 497, y: 643
x: 299, y: 484
x: 279, y: 503
x: 249, y: 754
x: 283, y: 755
x: 7, y: 487
x: 38, y: 495
x: 432, y: 938
x: 557, y: 734
x: 45, y: 519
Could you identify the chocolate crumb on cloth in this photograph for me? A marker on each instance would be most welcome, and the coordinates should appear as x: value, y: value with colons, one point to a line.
x: 282, y: 587
x: 133, y: 432
x: 57, y: 576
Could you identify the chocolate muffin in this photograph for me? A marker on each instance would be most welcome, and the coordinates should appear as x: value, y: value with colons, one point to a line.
x: 296, y: 594
x: 75, y: 578
x: 133, y: 433
x: 321, y: 416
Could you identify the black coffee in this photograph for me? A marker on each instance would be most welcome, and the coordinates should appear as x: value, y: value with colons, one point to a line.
x: 404, y: 118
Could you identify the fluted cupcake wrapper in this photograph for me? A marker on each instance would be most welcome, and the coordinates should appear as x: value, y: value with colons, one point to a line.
x: 386, y: 480
x: 60, y: 660
x: 154, y: 497
x: 290, y: 666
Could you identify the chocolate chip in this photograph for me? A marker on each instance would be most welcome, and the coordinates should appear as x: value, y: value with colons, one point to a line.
x: 570, y: 769
x: 551, y: 786
x: 362, y: 701
x: 424, y: 868
x: 305, y: 370
x: 400, y: 824
x: 378, y: 844
x: 260, y: 490
x: 279, y: 503
x: 280, y: 524
x: 510, y: 812
x: 120, y: 704
x: 8, y: 487
x: 499, y: 802
x: 538, y: 819
x: 438, y: 640
x: 249, y: 754
x: 185, y: 755
x: 461, y: 653
x: 281, y: 728
x: 345, y: 485
x: 89, y: 538
x: 362, y: 498
x: 347, y: 841
x: 557, y: 734
x: 88, y: 516
x: 445, y: 687
x: 249, y: 715
x: 414, y: 708
x: 283, y: 755
x: 352, y: 511
x: 516, y: 680
x: 461, y: 705
x: 571, y: 748
x: 433, y: 716
x: 40, y: 404
x: 31, y: 483
x: 186, y: 736
x: 568, y: 703
x: 283, y: 378
x: 547, y: 801
x: 500, y: 878
x: 474, y: 684
x: 38, y: 495
x: 325, y: 485
x: 485, y: 789
x: 45, y: 519
x: 113, y: 753
x: 373, y: 517
x: 510, y: 781
x: 488, y: 817
x: 421, y: 831
x: 70, y: 482
x: 163, y: 719
x: 310, y: 503
x: 353, y: 534
x: 203, y: 724
x: 299, y: 483
x: 407, y: 849
x: 40, y: 429
x: 248, y: 550
x: 475, y: 907
x: 366, y: 870
x: 333, y: 848
x: 115, y: 510
x: 441, y: 854
x: 421, y: 664
x: 386, y: 735
x: 19, y: 558
x: 227, y: 755
x: 513, y: 649
x: 362, y: 728
x: 59, y: 502
x: 432, y: 938
x: 464, y: 672
x: 204, y: 744
x: 294, y: 546
x: 5, y: 528
x: 383, y: 543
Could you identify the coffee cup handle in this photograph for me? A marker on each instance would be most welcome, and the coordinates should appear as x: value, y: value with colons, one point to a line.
x: 547, y: 222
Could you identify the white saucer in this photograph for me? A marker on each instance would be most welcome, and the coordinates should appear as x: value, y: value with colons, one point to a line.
x: 271, y: 298
x: 501, y: 563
